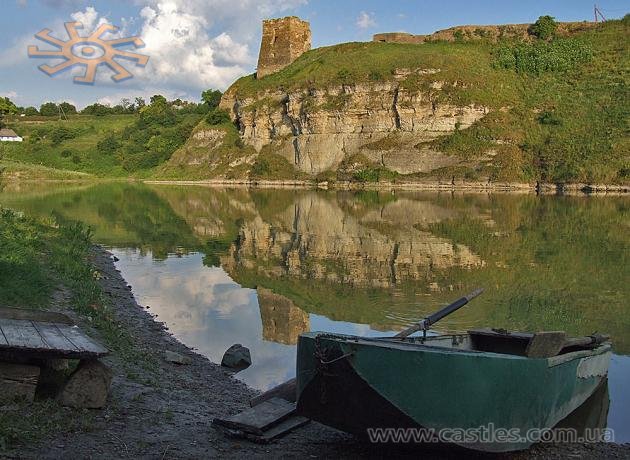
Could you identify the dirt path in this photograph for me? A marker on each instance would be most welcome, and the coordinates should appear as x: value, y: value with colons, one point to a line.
x: 170, y: 414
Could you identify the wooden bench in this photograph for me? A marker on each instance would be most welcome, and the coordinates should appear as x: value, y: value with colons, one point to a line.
x: 29, y: 338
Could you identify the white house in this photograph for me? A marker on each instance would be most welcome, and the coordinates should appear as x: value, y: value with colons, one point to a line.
x: 8, y: 135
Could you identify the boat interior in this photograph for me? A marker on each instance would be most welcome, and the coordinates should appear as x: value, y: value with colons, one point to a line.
x: 504, y: 342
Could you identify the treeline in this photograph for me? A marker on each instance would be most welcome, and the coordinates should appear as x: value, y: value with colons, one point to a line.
x: 210, y: 100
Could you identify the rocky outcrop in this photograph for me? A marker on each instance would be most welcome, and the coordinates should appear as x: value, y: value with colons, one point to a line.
x: 478, y: 32
x: 388, y: 124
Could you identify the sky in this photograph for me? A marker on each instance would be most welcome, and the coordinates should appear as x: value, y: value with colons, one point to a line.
x: 194, y: 45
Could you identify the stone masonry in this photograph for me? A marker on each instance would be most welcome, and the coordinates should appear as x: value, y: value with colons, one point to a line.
x: 283, y: 41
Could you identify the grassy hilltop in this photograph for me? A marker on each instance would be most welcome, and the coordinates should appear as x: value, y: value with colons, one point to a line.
x: 559, y: 111
x: 559, y: 108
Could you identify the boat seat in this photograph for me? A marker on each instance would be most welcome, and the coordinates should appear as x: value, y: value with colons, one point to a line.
x: 500, y: 341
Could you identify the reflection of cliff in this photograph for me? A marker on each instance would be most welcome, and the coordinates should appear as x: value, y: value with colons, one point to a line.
x: 282, y: 320
x: 316, y: 239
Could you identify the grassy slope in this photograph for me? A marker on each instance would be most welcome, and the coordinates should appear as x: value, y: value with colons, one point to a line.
x: 76, y: 154
x: 36, y: 257
x: 590, y: 104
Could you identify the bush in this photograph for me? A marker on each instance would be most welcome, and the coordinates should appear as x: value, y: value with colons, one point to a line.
x: 544, y: 28
x: 217, y: 117
x: 60, y: 133
x: 108, y: 145
x: 549, y: 118
x: 66, y: 153
x: 537, y: 58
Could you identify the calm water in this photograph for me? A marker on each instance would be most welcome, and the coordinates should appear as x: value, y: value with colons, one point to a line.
x: 363, y: 263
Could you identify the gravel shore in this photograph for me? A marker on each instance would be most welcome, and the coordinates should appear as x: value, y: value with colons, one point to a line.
x: 169, y: 415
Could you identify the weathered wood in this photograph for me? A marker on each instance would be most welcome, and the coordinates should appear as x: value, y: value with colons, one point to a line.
x: 34, y: 315
x: 18, y: 381
x: 21, y: 334
x: 53, y: 337
x: 286, y: 391
x: 282, y: 428
x: 26, y: 334
x: 260, y: 418
x: 546, y: 344
x: 80, y: 340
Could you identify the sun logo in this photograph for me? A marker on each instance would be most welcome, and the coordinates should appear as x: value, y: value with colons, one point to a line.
x: 89, y: 52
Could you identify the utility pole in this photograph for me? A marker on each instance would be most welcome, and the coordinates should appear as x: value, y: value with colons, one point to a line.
x: 598, y: 13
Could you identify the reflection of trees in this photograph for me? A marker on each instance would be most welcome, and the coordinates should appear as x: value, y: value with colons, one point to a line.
x: 124, y: 215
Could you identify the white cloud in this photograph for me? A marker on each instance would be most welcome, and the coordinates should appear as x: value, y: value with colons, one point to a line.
x: 365, y: 20
x: 10, y: 94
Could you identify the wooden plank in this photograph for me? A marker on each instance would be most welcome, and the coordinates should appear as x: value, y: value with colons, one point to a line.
x: 282, y: 428
x: 260, y: 418
x: 81, y: 341
x: 18, y: 381
x: 21, y: 334
x: 34, y: 315
x: 3, y: 339
x: 546, y: 344
x: 286, y: 391
x: 51, y: 334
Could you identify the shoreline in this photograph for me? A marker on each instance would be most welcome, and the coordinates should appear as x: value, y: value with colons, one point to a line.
x: 431, y: 186
x: 164, y: 410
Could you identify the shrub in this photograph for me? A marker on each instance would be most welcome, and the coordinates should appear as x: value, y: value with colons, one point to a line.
x: 549, y: 118
x: 544, y: 28
x: 66, y: 153
x: 60, y: 133
x: 108, y: 145
x: 537, y: 58
x: 217, y: 117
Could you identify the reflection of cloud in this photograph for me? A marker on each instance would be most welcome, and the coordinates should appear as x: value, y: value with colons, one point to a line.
x: 206, y: 310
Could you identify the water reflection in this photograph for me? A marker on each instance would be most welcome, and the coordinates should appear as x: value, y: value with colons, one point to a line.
x: 258, y: 267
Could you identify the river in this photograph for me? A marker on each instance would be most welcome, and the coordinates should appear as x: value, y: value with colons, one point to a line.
x: 258, y: 267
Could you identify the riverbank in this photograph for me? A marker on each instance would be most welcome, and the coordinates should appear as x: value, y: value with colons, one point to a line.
x: 434, y: 185
x: 162, y: 410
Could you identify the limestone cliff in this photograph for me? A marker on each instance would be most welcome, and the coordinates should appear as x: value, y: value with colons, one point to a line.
x: 316, y: 129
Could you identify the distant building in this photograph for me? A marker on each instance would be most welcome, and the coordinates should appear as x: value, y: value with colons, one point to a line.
x: 8, y: 135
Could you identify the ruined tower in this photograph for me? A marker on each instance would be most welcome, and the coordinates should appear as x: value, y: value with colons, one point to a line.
x: 283, y: 41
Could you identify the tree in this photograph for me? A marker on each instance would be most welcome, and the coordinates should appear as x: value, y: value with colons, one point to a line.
x: 140, y: 102
x: 68, y: 108
x: 211, y: 98
x: 217, y: 117
x: 6, y: 106
x: 30, y: 111
x: 158, y: 112
x: 49, y: 109
x: 97, y: 109
x: 544, y: 28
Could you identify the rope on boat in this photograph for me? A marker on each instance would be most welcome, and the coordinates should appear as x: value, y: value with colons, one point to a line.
x: 336, y: 359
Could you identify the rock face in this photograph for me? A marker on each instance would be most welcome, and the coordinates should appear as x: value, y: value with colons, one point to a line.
x: 388, y: 124
x: 283, y: 41
x: 87, y: 387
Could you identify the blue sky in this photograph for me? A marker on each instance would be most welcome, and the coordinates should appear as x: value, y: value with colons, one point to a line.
x: 198, y: 44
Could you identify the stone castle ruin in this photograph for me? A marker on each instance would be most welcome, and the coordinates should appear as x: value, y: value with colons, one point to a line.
x: 283, y: 41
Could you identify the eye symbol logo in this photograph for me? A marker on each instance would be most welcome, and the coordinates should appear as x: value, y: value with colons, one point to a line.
x: 89, y: 52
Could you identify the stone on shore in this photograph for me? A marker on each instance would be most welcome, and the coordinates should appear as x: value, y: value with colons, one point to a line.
x: 237, y: 357
x: 177, y: 358
x: 87, y: 387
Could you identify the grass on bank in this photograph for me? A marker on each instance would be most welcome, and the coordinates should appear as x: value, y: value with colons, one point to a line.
x: 36, y: 257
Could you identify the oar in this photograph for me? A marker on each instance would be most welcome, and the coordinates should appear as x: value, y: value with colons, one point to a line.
x: 427, y: 322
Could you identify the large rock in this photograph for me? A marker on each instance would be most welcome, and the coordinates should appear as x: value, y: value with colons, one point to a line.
x: 87, y: 387
x: 237, y: 357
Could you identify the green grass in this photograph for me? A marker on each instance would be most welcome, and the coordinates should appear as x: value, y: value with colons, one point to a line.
x: 77, y: 153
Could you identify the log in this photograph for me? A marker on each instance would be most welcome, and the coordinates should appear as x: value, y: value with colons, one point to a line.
x: 286, y: 391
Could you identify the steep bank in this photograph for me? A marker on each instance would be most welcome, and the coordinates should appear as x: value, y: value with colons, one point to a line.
x: 487, y: 110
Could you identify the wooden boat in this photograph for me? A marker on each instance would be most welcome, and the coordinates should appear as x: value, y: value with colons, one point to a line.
x: 483, y: 380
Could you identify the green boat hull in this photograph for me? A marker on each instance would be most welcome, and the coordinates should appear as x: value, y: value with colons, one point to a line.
x: 353, y: 384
